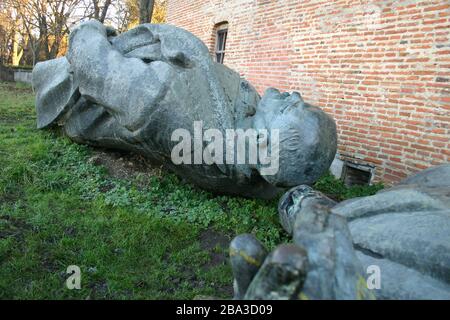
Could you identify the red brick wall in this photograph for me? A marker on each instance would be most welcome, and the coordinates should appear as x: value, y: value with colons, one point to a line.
x: 380, y: 68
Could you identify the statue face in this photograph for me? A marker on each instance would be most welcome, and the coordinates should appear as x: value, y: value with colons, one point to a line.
x: 305, y: 136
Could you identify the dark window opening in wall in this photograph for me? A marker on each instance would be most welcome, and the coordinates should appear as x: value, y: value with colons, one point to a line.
x: 221, y: 41
x: 354, y: 174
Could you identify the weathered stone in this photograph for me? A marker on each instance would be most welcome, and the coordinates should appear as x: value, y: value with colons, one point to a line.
x: 419, y: 240
x: 56, y: 91
x: 321, y: 264
x: 299, y: 199
x: 405, y: 199
x: 132, y: 91
x: 402, y: 232
x: 282, y: 275
x: 406, y: 229
x: 400, y: 282
x: 247, y: 255
x: 334, y: 271
x: 434, y: 177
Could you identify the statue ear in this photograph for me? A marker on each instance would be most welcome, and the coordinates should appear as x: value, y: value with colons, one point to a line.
x: 180, y: 59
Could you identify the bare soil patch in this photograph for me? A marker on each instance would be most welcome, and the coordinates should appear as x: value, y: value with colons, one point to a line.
x: 124, y: 165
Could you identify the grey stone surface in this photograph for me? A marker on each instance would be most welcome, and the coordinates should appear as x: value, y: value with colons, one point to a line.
x: 247, y: 255
x: 282, y: 275
x: 406, y: 199
x: 419, y: 240
x: 334, y: 271
x: 131, y: 91
x: 404, y: 231
x: 407, y: 228
x: 23, y: 76
x: 56, y: 91
x: 320, y: 264
x: 299, y: 199
x: 402, y: 283
x: 337, y: 167
x: 438, y: 176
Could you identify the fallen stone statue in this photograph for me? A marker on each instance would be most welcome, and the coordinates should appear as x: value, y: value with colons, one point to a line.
x: 156, y: 91
x: 392, y: 245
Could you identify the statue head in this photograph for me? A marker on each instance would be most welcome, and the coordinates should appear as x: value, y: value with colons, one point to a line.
x: 307, y: 137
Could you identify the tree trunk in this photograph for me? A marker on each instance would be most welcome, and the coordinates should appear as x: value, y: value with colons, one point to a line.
x: 43, y: 37
x: 104, y: 11
x: 96, y: 9
x: 17, y: 53
x: 146, y: 10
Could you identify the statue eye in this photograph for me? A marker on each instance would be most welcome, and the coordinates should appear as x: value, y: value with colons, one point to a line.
x: 180, y: 59
x: 147, y: 53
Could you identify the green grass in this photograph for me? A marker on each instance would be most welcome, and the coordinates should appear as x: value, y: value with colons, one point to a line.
x: 132, y: 240
x: 337, y: 190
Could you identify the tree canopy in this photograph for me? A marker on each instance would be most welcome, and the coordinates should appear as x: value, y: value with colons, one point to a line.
x: 37, y: 30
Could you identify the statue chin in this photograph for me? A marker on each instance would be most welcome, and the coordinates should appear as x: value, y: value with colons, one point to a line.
x: 132, y: 91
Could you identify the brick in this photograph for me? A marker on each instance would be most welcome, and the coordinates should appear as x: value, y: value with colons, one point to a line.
x: 387, y: 88
x: 437, y: 8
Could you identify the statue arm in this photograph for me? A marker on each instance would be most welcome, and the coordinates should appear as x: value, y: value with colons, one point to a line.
x: 126, y: 87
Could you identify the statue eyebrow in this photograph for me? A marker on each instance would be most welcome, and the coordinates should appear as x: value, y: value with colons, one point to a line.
x: 140, y: 45
x: 289, y: 104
